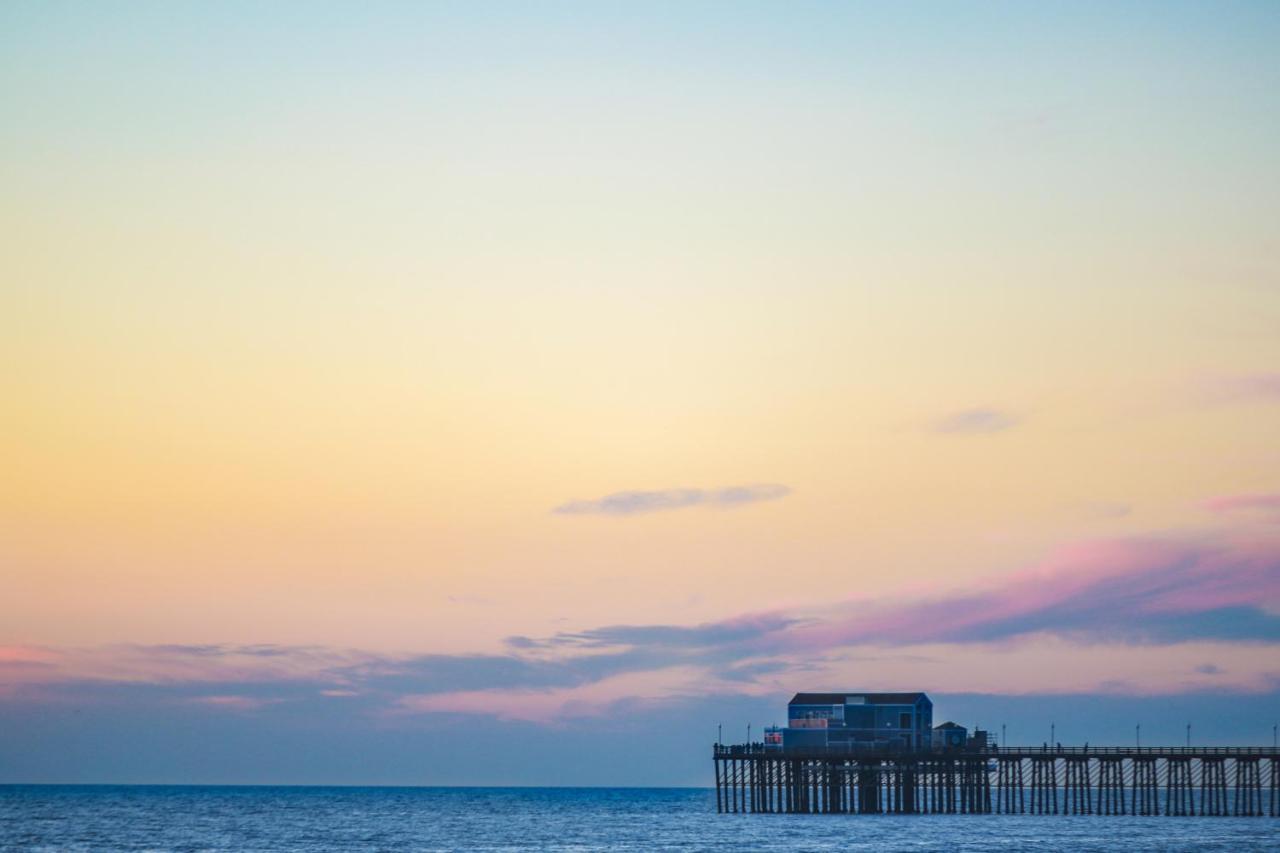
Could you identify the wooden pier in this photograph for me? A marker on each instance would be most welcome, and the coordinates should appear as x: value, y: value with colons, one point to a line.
x: 1240, y: 781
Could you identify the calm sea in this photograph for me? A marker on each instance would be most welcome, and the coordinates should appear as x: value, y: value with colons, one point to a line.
x: 101, y: 818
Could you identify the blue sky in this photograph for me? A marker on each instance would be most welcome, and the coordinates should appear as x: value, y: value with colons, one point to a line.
x: 155, y: 742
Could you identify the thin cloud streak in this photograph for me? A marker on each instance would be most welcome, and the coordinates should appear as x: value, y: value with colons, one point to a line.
x: 1235, y: 503
x: 975, y: 421
x: 233, y: 703
x: 1239, y: 388
x: 636, y: 502
x: 707, y: 635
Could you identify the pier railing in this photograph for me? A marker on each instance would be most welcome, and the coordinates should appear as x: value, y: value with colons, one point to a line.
x: 851, y: 749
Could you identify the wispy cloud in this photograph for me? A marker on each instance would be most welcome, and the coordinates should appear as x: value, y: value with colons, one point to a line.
x: 975, y: 421
x: 736, y: 630
x: 1238, y: 388
x: 1136, y: 590
x: 589, y: 699
x: 1237, y: 503
x: 633, y: 503
x: 185, y: 664
x: 233, y: 703
x: 1134, y: 604
x: 1130, y: 590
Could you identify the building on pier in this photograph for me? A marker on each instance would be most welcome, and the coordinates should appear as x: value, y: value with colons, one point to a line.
x: 880, y: 721
x: 949, y: 735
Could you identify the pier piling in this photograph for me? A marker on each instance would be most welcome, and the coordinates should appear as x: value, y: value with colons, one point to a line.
x: 1103, y: 781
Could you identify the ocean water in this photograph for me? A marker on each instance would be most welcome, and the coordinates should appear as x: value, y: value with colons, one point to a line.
x: 242, y: 819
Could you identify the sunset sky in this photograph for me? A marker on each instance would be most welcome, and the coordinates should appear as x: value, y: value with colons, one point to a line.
x: 374, y: 375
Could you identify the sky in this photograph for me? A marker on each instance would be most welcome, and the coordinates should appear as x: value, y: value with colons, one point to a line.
x: 392, y: 385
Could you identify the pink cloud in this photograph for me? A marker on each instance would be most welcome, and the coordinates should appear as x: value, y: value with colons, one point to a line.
x: 1146, y: 605
x: 176, y: 664
x: 1234, y: 503
x: 1113, y: 588
x: 546, y: 705
x: 17, y: 658
x: 1040, y: 664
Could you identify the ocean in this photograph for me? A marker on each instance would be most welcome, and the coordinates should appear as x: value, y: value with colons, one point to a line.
x: 243, y: 819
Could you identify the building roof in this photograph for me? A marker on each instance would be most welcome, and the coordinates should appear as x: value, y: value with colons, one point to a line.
x: 950, y: 725
x: 870, y: 698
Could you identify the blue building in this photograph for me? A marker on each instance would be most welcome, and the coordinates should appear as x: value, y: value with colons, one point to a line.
x: 950, y: 735
x: 856, y: 721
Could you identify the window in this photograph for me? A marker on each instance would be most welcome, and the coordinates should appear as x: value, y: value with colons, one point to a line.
x: 904, y: 721
x: 810, y: 712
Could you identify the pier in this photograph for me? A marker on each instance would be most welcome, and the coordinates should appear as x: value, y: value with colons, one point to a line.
x: 838, y: 779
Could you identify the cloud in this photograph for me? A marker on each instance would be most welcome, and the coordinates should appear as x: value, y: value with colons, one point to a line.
x: 1136, y: 590
x: 1236, y: 503
x: 633, y: 503
x: 187, y: 664
x: 736, y: 630
x: 590, y: 699
x: 1238, y: 388
x: 1135, y: 603
x: 975, y: 421
x: 1121, y: 612
x: 233, y: 703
